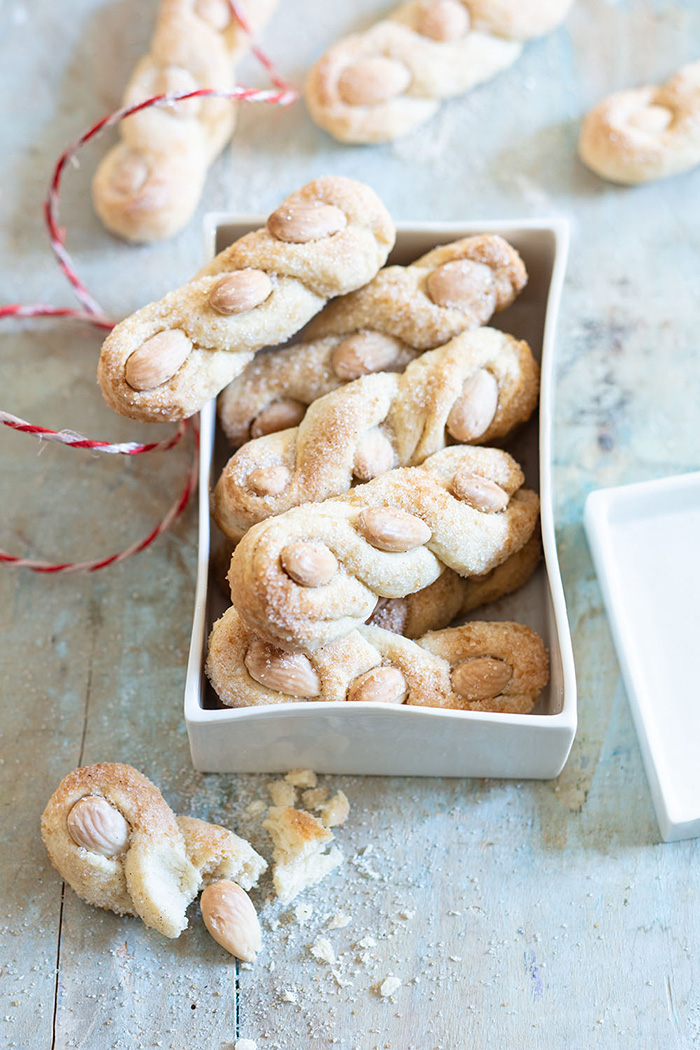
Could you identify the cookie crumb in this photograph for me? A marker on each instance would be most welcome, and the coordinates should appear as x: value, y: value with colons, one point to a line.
x: 322, y: 949
x: 338, y: 921
x: 281, y: 793
x: 301, y: 778
x: 314, y: 797
x: 335, y: 811
x: 389, y: 986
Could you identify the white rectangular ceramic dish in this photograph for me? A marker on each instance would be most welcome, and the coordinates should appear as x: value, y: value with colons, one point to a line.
x: 377, y: 738
x: 644, y: 541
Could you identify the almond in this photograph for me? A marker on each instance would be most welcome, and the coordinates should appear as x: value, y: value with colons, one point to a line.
x: 130, y: 173
x: 463, y: 285
x: 278, y: 415
x: 391, y: 614
x: 443, y: 20
x: 370, y: 81
x: 652, y: 119
x: 290, y: 673
x: 241, y: 291
x: 231, y: 919
x: 269, y: 481
x: 382, y: 685
x: 480, y: 493
x: 473, y: 411
x: 176, y: 80
x: 157, y: 360
x: 304, y: 221
x: 389, y: 529
x: 374, y: 455
x: 309, y: 564
x: 216, y: 12
x: 365, y: 352
x: 98, y: 826
x: 481, y: 678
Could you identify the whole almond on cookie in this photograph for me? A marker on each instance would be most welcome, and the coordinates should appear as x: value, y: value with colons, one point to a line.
x: 481, y: 678
x: 98, y: 826
x: 157, y: 360
x: 385, y: 685
x: 304, y: 221
x: 372, y: 80
x: 239, y: 292
x: 290, y: 673
x: 480, y: 493
x: 390, y: 529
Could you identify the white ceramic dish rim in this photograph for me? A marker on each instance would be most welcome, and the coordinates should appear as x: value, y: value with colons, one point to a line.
x: 638, y: 500
x: 566, y: 718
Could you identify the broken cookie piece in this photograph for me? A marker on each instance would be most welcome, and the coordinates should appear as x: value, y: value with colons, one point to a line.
x: 300, y: 854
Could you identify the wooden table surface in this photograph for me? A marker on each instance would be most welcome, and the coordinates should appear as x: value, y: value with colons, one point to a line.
x: 545, y: 914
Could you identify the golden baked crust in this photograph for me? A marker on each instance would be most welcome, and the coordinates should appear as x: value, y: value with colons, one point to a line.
x: 473, y: 390
x: 147, y: 187
x: 430, y: 528
x: 378, y: 85
x: 380, y: 327
x: 368, y: 662
x: 646, y: 133
x: 210, y: 347
x: 163, y: 862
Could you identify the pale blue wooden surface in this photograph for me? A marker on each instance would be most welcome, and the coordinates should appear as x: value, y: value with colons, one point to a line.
x: 572, y: 924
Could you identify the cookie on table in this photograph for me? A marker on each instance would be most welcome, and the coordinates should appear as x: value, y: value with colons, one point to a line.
x: 645, y: 133
x: 148, y: 186
x: 378, y: 85
x: 113, y: 838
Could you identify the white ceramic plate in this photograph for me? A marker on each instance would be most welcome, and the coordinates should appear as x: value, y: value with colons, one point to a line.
x: 644, y: 539
x: 375, y: 738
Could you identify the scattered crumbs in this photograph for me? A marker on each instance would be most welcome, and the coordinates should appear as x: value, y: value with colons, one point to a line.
x: 314, y: 797
x: 245, y: 1044
x: 281, y: 793
x: 455, y: 958
x: 301, y: 778
x: 339, y: 980
x: 289, y: 995
x: 322, y: 949
x: 245, y: 966
x: 255, y: 808
x: 338, y: 921
x: 303, y: 912
x: 407, y: 914
x: 455, y: 912
x: 389, y: 986
x: 367, y: 942
x: 335, y: 811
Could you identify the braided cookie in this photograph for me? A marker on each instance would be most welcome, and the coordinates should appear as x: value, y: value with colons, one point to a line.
x: 646, y: 133
x: 148, y: 186
x: 379, y: 328
x: 112, y: 836
x: 169, y: 358
x: 314, y: 573
x: 379, y: 85
x: 452, y: 596
x: 474, y: 390
x: 476, y: 667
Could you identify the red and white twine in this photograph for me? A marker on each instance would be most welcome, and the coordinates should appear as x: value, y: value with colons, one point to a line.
x: 93, y: 314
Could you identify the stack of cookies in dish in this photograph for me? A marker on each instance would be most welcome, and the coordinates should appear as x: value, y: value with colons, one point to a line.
x: 365, y: 503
